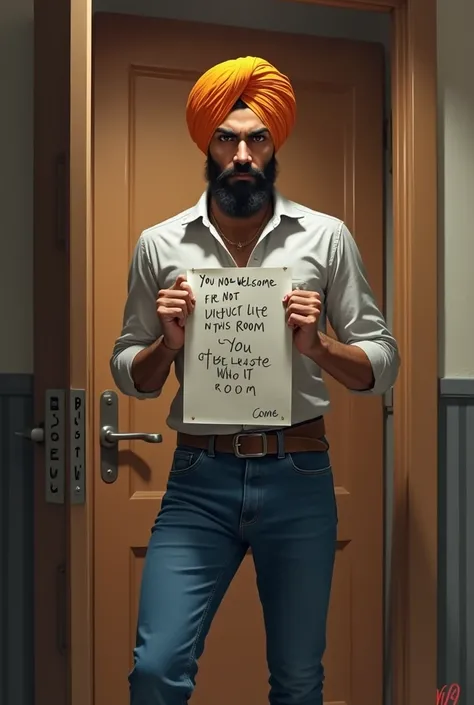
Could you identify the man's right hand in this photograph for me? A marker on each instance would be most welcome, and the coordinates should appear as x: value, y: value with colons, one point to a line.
x: 173, y: 307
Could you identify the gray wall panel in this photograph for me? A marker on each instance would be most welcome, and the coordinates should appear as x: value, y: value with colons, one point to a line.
x: 16, y: 542
x: 456, y: 536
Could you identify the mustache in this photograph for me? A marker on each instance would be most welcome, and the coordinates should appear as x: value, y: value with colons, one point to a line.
x: 241, y: 169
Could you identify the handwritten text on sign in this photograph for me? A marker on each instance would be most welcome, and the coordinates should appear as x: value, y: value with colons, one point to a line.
x: 237, y: 354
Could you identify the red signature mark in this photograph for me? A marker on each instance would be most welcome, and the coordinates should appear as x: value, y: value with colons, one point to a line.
x: 448, y: 694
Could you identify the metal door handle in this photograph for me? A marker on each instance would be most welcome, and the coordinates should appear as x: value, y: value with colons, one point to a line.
x: 36, y: 435
x: 109, y: 437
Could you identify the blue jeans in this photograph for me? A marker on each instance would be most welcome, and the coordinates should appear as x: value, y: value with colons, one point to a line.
x: 215, y: 507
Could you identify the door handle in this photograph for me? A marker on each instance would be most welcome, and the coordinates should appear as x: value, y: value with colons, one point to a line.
x: 110, y: 437
x: 50, y: 435
x: 36, y: 435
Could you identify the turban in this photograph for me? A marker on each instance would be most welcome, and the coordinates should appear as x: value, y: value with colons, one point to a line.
x: 266, y: 91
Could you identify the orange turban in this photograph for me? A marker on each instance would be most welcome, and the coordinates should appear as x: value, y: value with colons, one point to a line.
x: 260, y: 85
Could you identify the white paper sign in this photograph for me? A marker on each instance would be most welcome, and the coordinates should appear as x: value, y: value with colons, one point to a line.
x: 238, y: 348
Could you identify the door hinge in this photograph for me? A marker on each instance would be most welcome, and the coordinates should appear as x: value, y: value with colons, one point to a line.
x: 387, y: 141
x: 388, y: 401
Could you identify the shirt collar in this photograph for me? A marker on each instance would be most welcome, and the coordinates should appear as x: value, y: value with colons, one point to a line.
x: 283, y: 208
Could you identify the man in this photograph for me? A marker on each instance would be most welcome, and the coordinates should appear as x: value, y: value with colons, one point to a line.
x: 224, y: 493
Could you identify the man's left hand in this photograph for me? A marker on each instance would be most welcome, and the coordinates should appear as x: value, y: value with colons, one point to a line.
x: 303, y: 309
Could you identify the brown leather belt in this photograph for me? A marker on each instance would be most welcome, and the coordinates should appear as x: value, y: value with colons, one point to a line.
x: 248, y: 444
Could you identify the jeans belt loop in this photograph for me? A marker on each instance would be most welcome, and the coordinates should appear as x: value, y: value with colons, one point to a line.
x: 280, y: 444
x: 211, y: 448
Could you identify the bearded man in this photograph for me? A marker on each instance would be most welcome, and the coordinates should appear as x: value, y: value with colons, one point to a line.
x: 232, y: 488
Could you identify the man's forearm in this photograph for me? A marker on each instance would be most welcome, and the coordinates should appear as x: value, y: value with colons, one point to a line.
x: 348, y: 364
x: 151, y: 367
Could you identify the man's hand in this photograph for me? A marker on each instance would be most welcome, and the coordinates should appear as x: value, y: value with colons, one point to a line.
x: 348, y: 364
x: 303, y: 309
x: 173, y: 306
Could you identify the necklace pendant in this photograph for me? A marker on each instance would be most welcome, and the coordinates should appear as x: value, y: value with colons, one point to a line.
x: 239, y: 245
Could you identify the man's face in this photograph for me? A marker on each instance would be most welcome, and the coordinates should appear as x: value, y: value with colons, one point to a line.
x: 241, y: 168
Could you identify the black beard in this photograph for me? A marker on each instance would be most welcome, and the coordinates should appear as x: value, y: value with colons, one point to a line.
x: 241, y: 199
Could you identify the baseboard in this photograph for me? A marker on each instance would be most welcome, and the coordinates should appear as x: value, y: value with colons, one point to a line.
x: 456, y: 387
x: 16, y: 384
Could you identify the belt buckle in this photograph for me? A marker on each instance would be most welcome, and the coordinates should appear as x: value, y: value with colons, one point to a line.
x: 236, y: 445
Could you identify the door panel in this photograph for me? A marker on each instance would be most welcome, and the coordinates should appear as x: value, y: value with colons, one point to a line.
x: 143, y: 71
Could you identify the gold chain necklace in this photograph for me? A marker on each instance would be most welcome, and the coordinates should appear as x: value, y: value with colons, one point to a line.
x: 238, y: 245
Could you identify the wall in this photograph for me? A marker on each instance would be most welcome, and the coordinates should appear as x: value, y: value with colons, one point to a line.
x: 456, y: 174
x: 16, y: 185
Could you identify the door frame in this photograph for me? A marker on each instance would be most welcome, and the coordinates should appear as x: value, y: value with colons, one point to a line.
x: 63, y: 125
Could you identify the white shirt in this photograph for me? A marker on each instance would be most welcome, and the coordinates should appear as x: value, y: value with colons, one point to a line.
x: 323, y: 257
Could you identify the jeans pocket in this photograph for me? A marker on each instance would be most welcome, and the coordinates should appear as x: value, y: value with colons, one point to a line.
x: 310, y: 462
x: 186, y: 459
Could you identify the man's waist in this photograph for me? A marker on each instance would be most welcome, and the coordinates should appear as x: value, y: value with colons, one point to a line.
x: 302, y: 437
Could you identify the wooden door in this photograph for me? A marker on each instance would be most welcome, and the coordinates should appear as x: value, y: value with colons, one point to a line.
x: 147, y: 169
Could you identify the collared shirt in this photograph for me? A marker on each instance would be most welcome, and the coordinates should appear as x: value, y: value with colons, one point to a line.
x: 323, y: 257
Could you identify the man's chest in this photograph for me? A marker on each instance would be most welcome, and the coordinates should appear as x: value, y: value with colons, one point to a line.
x: 308, y: 265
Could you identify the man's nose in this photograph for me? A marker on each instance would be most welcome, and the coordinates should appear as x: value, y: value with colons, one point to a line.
x: 243, y: 156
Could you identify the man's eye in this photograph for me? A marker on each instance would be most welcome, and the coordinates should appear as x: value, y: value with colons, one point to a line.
x: 258, y: 138
x: 226, y: 138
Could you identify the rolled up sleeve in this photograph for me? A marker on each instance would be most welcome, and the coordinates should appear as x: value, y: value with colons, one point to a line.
x: 354, y: 314
x: 141, y: 325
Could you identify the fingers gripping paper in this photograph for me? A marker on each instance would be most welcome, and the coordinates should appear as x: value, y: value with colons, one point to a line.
x: 238, y: 348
